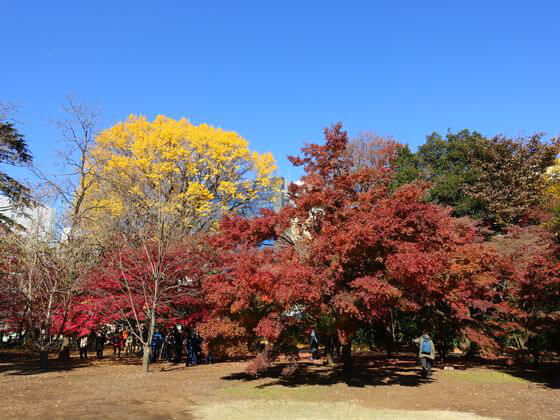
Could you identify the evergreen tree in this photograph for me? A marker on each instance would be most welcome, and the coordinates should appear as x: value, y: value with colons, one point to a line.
x: 13, y: 152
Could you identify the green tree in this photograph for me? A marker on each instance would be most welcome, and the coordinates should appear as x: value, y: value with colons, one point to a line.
x: 446, y: 164
x: 496, y: 180
x: 13, y: 152
x: 407, y: 167
x: 511, y: 177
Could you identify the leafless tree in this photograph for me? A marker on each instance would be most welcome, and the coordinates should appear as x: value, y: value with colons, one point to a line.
x: 369, y: 149
x: 55, y: 264
x: 8, y: 111
x: 69, y: 187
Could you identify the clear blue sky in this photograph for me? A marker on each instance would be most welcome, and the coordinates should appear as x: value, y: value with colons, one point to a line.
x: 278, y: 72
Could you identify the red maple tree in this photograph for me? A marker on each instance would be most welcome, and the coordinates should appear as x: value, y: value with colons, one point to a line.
x: 348, y: 249
x: 142, y: 288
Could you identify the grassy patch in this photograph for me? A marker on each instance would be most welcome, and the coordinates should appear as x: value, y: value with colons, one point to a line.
x: 282, y: 410
x: 480, y: 376
x: 276, y: 392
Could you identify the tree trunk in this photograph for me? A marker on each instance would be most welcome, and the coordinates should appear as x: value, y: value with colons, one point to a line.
x: 146, y: 358
x: 389, y: 343
x: 44, y: 359
x: 329, y: 350
x: 19, y: 335
x: 151, y: 330
x: 347, y: 357
x: 391, y: 336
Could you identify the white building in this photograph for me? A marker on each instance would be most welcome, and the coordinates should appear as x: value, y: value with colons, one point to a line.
x: 37, y: 221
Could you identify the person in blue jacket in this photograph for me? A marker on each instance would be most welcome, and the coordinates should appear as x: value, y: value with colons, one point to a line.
x: 157, y: 341
x: 192, y: 349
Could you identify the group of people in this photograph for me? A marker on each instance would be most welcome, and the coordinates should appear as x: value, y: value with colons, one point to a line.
x: 169, y: 346
x: 119, y: 339
x: 98, y: 339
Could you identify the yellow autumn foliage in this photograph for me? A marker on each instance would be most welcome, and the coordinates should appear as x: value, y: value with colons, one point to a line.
x: 191, y: 172
x: 553, y: 180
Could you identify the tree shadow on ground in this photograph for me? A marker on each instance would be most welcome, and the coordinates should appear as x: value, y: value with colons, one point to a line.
x: 371, y: 369
x: 547, y: 375
x: 21, y: 364
x: 365, y: 372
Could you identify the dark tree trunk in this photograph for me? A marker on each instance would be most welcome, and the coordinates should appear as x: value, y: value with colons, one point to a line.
x: 64, y: 354
x: 347, y: 357
x: 329, y: 350
x: 44, y: 359
x: 391, y: 336
x: 389, y: 345
x: 20, y: 334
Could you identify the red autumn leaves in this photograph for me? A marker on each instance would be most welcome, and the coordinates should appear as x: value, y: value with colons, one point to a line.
x: 348, y: 248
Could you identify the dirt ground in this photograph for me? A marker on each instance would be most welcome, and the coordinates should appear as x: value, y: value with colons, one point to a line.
x: 379, y: 389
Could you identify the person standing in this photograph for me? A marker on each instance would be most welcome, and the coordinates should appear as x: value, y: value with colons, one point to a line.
x: 83, y: 346
x: 178, y: 339
x: 129, y: 349
x: 99, y: 344
x: 65, y: 349
x: 122, y: 341
x: 124, y: 338
x: 157, y: 341
x: 186, y: 346
x: 314, y: 345
x: 426, y: 353
x: 169, y: 346
x: 117, y: 342
x: 192, y: 346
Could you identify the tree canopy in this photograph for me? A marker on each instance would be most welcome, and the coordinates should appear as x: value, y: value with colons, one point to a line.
x: 497, y: 180
x: 194, y: 174
x: 13, y: 152
x: 351, y: 249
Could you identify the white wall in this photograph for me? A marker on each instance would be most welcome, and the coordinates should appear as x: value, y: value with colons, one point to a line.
x: 40, y: 220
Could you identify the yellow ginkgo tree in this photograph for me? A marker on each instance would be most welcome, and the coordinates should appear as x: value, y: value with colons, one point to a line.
x: 171, y: 169
x: 154, y: 187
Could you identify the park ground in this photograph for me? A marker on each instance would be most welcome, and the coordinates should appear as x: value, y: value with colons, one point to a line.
x: 378, y: 389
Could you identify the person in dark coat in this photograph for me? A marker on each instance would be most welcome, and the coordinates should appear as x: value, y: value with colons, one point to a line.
x: 169, y: 346
x: 99, y: 344
x: 314, y: 345
x: 178, y: 344
x: 192, y: 349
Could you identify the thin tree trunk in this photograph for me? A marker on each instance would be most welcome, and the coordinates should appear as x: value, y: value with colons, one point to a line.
x: 391, y: 336
x: 146, y: 358
x: 151, y: 330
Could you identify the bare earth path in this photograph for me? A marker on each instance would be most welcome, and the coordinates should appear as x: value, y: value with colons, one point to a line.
x: 118, y: 390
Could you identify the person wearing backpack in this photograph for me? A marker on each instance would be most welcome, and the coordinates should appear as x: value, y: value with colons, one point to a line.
x: 314, y: 345
x: 426, y: 353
